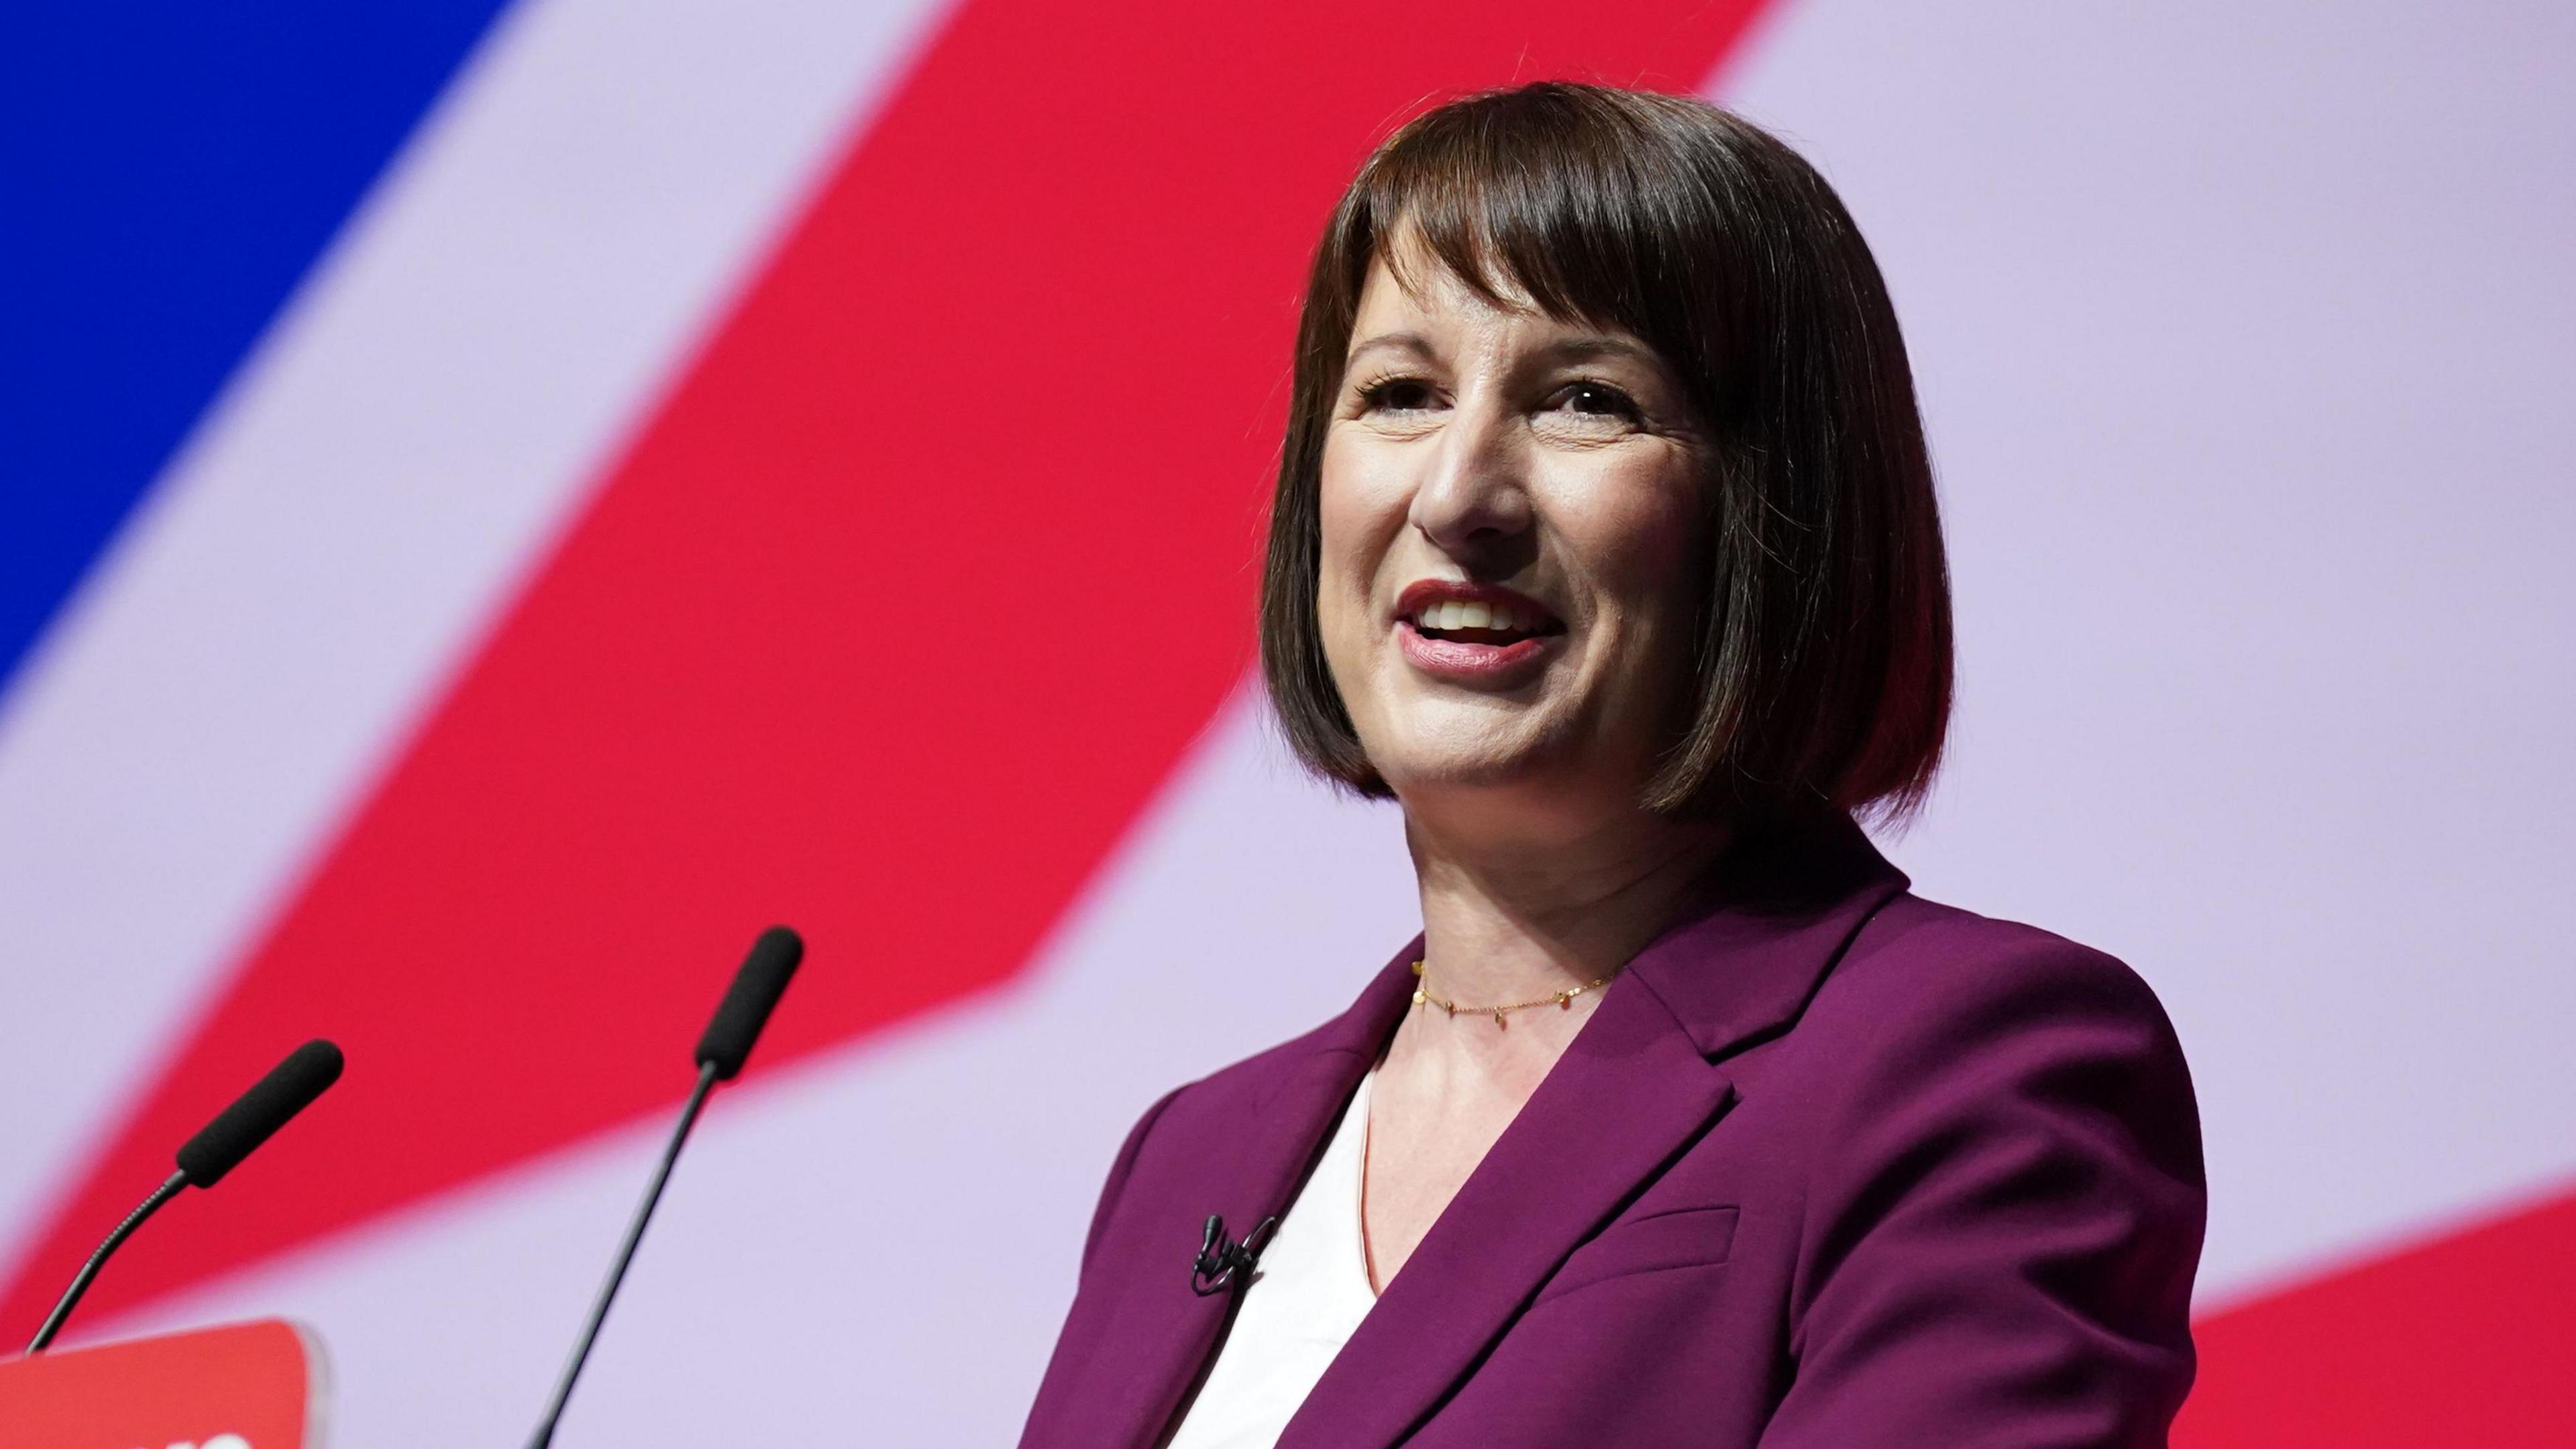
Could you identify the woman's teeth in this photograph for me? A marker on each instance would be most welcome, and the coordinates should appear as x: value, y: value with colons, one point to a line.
x: 1455, y: 615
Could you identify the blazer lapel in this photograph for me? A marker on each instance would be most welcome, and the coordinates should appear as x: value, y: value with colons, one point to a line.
x: 1630, y: 1092
x: 1255, y: 1173
x: 1634, y: 1090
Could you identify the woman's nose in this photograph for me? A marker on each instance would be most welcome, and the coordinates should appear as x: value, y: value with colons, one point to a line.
x: 1474, y: 498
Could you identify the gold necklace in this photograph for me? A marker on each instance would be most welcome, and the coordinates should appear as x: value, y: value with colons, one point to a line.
x: 1562, y: 1000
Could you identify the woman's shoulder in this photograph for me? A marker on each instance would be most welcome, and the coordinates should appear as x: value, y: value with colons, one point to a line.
x: 1938, y: 1023
x: 1918, y: 964
x: 1986, y: 1136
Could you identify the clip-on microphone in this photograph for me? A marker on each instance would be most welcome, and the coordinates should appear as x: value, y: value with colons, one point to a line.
x: 1214, y: 1269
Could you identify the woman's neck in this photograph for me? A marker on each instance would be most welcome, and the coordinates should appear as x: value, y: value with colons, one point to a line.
x: 1518, y: 918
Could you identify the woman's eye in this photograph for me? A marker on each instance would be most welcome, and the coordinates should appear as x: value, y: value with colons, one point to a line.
x: 1396, y: 394
x: 1597, y: 399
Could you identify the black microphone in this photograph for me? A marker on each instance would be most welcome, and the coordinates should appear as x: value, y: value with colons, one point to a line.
x: 1219, y: 1262
x: 721, y: 1051
x: 236, y: 1133
x: 746, y: 1006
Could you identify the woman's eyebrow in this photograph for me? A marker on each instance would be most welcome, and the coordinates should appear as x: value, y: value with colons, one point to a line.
x: 1596, y: 344
x: 1412, y: 342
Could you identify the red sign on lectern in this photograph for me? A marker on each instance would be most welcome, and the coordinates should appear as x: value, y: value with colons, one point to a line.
x: 243, y: 1386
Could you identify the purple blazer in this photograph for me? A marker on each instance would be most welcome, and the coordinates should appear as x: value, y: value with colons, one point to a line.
x: 1830, y: 1167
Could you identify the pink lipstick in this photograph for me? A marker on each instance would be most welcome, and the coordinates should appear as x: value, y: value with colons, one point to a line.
x: 1470, y: 633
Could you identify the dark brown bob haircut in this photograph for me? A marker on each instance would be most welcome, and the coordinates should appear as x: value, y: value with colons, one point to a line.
x: 1823, y: 647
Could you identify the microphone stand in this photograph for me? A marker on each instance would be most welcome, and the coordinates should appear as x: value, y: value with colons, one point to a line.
x: 625, y: 1254
x: 72, y: 1296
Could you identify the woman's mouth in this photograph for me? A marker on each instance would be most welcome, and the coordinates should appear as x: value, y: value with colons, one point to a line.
x: 1474, y: 633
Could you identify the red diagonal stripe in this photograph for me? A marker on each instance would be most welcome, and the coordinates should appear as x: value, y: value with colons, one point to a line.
x: 2466, y: 1340
x: 911, y: 593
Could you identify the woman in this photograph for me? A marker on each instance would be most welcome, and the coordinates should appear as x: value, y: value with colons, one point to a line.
x: 1604, y: 543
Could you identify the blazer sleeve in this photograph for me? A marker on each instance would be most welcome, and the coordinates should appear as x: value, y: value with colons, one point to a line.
x: 2001, y: 1235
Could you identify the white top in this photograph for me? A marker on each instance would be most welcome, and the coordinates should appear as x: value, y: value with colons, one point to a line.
x: 1305, y: 1300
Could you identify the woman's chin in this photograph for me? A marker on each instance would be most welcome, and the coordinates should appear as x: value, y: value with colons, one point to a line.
x: 1494, y: 767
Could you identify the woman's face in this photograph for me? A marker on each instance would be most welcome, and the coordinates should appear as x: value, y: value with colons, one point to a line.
x: 1512, y: 525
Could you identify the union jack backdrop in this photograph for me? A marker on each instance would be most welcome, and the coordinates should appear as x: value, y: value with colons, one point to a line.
x: 502, y: 499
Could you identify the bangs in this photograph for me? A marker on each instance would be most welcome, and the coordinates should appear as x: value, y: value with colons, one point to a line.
x: 1562, y: 206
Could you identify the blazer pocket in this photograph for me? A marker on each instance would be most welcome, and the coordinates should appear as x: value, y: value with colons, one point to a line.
x: 1692, y: 1237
